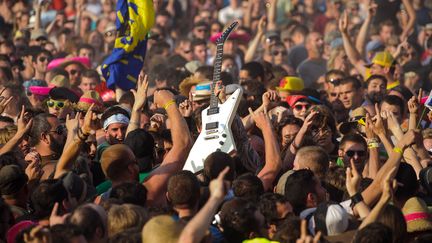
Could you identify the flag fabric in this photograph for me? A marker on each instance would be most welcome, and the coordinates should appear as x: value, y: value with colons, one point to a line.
x: 134, y: 20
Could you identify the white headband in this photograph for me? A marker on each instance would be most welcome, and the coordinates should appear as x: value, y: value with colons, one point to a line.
x: 116, y: 118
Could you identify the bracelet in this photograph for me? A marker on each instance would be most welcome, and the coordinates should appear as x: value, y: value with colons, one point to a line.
x: 81, y: 135
x: 168, y: 104
x: 398, y: 150
x: 373, y: 145
x: 356, y: 199
x: 372, y: 140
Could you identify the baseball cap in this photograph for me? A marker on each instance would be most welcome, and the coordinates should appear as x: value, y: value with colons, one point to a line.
x: 38, y: 33
x: 291, y: 83
x: 292, y: 99
x: 62, y: 93
x: 77, y: 187
x: 280, y: 187
x: 331, y: 219
x: 383, y: 58
x: 34, y: 83
x: 12, y: 179
x: 355, y: 116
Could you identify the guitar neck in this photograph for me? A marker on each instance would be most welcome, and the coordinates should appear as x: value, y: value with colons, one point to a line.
x: 216, y: 74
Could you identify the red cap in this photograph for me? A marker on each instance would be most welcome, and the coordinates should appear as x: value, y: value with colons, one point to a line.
x: 292, y: 99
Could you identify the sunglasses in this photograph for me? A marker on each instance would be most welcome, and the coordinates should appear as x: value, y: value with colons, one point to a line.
x: 58, y: 104
x: 59, y: 130
x: 275, y: 53
x: 334, y: 81
x: 301, y: 107
x: 351, y: 153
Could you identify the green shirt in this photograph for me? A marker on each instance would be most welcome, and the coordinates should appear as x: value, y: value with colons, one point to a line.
x: 106, y: 185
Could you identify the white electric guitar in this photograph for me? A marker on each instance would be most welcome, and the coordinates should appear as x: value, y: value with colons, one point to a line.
x: 216, y: 132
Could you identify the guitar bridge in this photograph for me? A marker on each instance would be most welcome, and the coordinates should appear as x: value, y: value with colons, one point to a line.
x: 211, y: 132
x: 211, y: 137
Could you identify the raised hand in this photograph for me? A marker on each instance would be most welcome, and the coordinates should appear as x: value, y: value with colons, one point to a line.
x: 378, y: 124
x: 262, y: 25
x: 269, y: 97
x: 353, y: 179
x: 308, y: 121
x: 72, y: 123
x: 55, y: 218
x: 162, y: 97
x: 90, y: 124
x: 219, y: 91
x: 219, y: 186
x: 389, y: 185
x: 34, y: 170
x: 22, y: 126
x: 343, y: 23
x: 157, y: 121
x: 186, y: 108
x: 140, y: 94
x: 39, y: 234
x: 261, y: 119
x: 371, y: 7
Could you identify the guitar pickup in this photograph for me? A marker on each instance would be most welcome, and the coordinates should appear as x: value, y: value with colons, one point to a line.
x: 211, y: 132
x: 211, y: 125
x: 211, y: 137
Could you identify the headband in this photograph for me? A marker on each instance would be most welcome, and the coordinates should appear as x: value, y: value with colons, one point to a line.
x: 116, y: 118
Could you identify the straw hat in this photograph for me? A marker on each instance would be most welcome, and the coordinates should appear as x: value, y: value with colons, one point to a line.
x: 416, y: 215
x: 89, y: 98
x: 162, y: 228
x: 187, y: 83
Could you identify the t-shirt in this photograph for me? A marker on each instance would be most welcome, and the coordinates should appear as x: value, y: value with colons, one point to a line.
x: 106, y: 185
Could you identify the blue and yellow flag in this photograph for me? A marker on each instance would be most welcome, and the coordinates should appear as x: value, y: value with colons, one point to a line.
x: 134, y: 20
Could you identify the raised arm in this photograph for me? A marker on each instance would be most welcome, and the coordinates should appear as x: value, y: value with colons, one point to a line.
x: 353, y: 55
x: 409, y: 8
x: 373, y: 163
x: 253, y: 45
x: 272, y: 14
x: 273, y: 162
x: 352, y: 184
x: 174, y: 160
x: 22, y: 128
x: 195, y: 230
x: 386, y: 196
x: 364, y: 30
x: 373, y: 191
x: 79, y: 136
x: 140, y: 96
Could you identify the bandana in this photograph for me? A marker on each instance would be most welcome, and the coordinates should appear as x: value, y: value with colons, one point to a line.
x: 117, y: 118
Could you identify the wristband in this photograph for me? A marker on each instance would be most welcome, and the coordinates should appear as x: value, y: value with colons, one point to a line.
x: 373, y: 145
x: 81, y: 135
x: 398, y: 150
x: 356, y: 199
x: 372, y: 140
x: 168, y: 104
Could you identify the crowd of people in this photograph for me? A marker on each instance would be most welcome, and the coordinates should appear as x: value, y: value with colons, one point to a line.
x: 333, y: 133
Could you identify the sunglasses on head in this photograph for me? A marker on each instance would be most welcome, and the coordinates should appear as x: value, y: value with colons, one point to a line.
x: 351, y: 153
x: 301, y: 107
x: 56, y: 103
x: 334, y: 81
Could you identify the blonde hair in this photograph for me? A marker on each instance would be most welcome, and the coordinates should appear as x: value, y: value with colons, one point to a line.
x: 333, y: 54
x: 7, y: 133
x: 126, y: 216
x: 162, y: 228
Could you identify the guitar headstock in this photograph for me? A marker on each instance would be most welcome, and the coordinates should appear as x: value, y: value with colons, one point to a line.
x: 226, y: 33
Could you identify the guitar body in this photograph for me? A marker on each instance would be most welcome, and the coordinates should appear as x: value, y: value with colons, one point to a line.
x: 215, y: 133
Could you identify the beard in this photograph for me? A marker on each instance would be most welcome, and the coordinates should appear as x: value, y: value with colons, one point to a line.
x: 57, y: 145
x: 375, y: 97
